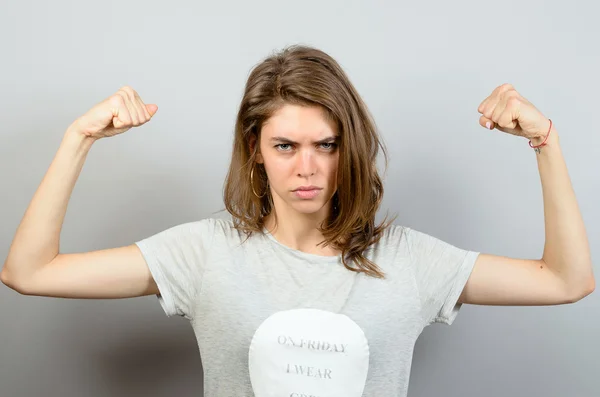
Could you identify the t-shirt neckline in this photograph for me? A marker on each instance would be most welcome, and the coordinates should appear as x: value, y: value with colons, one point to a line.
x: 312, y: 258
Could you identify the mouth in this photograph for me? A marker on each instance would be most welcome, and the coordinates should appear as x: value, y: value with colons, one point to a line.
x: 307, y: 192
x: 306, y: 188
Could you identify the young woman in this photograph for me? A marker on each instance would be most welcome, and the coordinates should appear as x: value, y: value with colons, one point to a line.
x: 301, y: 293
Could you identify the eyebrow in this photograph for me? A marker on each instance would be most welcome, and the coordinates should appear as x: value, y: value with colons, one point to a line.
x: 329, y: 139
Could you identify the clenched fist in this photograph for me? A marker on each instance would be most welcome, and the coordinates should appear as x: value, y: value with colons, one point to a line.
x: 115, y: 115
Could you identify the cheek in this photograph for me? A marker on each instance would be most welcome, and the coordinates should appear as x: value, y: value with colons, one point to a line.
x: 279, y: 166
x: 333, y: 166
x: 278, y: 170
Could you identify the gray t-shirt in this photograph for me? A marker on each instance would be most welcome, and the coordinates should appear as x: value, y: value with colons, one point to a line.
x: 273, y: 321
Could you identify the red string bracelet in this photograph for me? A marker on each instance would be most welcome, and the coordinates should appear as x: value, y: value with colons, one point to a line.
x: 545, y: 139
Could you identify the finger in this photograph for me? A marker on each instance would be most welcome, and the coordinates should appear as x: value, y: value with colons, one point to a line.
x: 121, y: 116
x: 115, y: 102
x: 152, y: 109
x: 127, y: 94
x: 502, y: 89
x: 508, y: 118
x: 486, y: 102
x: 127, y: 111
x: 498, y: 109
x: 141, y: 106
x: 142, y: 111
x: 487, y: 123
x: 483, y: 104
x: 498, y: 91
x: 490, y: 106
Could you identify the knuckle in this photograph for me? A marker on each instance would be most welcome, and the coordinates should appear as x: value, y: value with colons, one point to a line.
x: 116, y: 101
x: 128, y: 91
x: 118, y: 98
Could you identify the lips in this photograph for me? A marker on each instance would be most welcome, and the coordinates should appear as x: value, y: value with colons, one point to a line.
x: 309, y: 193
x: 305, y: 188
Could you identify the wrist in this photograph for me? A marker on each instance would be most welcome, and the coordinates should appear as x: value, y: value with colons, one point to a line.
x: 74, y: 137
x: 550, y: 138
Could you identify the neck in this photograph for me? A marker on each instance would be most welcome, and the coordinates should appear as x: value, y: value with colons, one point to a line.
x: 299, y: 231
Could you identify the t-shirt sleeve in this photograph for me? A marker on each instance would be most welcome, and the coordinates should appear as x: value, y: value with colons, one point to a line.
x: 441, y: 271
x: 177, y: 260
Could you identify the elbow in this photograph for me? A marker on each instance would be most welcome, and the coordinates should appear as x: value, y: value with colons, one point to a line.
x: 591, y: 287
x: 4, y: 277
x: 583, y: 292
x: 9, y: 281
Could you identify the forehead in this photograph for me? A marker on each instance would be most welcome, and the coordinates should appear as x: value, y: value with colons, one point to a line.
x: 299, y: 123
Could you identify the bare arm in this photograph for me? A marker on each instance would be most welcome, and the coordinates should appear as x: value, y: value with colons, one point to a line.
x: 34, y: 265
x: 564, y: 273
x: 566, y: 250
x: 111, y: 273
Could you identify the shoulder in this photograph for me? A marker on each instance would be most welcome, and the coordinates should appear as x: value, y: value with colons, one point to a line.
x: 393, y: 235
x: 399, y: 241
x: 393, y: 241
x: 205, y: 229
x: 221, y: 230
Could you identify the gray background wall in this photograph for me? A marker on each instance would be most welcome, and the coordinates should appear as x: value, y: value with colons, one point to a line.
x: 422, y: 67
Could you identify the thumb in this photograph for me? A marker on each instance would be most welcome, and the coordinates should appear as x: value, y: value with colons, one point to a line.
x: 152, y: 109
x: 487, y: 123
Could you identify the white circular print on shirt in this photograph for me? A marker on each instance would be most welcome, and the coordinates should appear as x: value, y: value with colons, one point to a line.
x: 308, y: 353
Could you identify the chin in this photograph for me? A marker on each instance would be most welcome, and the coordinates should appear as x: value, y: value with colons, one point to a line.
x: 307, y: 207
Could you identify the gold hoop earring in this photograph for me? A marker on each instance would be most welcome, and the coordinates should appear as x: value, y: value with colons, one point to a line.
x: 252, y: 184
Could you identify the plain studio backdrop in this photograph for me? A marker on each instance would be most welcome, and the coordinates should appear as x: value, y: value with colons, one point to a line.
x: 422, y: 68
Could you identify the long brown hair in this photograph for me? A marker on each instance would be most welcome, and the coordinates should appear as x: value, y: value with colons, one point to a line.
x: 303, y: 75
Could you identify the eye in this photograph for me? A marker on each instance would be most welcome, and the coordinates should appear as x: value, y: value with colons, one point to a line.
x: 329, y: 145
x: 281, y: 148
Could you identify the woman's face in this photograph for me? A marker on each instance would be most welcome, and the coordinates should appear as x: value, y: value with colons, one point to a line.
x: 299, y: 149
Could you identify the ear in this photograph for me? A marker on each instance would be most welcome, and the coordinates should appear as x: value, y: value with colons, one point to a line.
x: 252, y: 141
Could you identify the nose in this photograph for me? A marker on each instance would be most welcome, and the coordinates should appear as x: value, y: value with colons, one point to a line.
x: 306, y: 163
